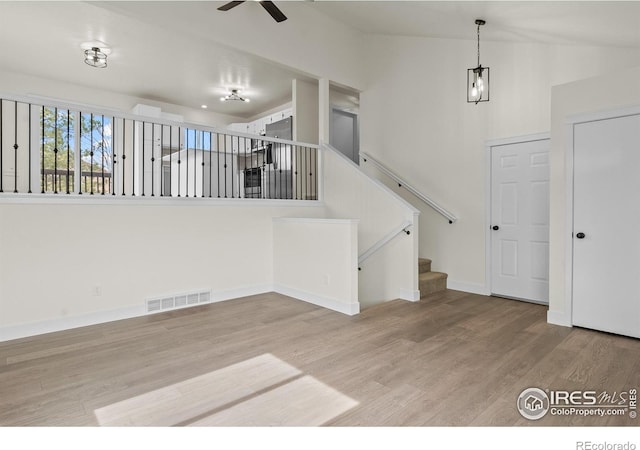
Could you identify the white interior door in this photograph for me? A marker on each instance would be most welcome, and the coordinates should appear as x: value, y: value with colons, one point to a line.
x: 606, y: 220
x: 520, y: 220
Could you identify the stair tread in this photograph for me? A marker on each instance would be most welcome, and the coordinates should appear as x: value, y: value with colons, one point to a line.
x: 432, y: 276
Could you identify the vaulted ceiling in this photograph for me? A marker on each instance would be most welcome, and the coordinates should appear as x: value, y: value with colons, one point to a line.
x: 167, y: 63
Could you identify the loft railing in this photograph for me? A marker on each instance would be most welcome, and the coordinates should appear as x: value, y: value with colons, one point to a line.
x: 403, y: 184
x: 67, y: 150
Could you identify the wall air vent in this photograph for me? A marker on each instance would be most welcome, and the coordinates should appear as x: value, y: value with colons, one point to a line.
x: 177, y: 301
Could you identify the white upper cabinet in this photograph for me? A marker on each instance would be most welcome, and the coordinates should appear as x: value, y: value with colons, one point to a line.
x: 259, y: 125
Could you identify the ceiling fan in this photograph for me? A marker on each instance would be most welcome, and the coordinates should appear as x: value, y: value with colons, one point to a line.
x: 271, y: 8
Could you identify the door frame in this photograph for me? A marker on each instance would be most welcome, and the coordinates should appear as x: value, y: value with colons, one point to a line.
x: 488, y: 235
x: 356, y: 129
x: 566, y: 318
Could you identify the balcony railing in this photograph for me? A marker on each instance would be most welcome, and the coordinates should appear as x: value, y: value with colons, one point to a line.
x: 62, y: 150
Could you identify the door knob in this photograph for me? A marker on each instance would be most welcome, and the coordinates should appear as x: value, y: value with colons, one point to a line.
x: 495, y: 227
x: 580, y: 235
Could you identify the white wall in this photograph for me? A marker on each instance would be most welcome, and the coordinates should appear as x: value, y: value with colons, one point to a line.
x: 316, y: 260
x: 54, y: 255
x: 415, y: 119
x: 349, y: 194
x: 305, y: 111
x: 618, y: 89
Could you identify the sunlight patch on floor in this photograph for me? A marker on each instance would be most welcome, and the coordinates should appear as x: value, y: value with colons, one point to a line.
x: 260, y: 391
x: 301, y: 402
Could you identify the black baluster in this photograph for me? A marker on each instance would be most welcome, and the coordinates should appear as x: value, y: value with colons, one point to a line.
x: 225, y: 165
x: 15, y: 151
x: 29, y: 171
x: 311, y: 170
x: 179, y: 157
x: 153, y: 158
x: 203, y: 164
x: 195, y: 164
x: 300, y: 170
x: 232, y: 158
x: 280, y: 163
x: 124, y: 155
x: 315, y: 171
x: 210, y: 163
x: 42, y: 160
x: 68, y: 148
x: 143, y: 144
x: 55, y: 153
x: 2, y: 144
x: 161, y: 160
x: 170, y: 160
x: 243, y: 193
x: 90, y: 154
x: 218, y: 153
x: 186, y: 139
x: 309, y: 150
x: 112, y: 183
x: 79, y: 169
x: 133, y: 158
x: 102, y: 145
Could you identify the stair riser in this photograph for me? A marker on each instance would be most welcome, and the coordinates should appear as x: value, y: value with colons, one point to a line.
x: 424, y: 267
x: 431, y: 286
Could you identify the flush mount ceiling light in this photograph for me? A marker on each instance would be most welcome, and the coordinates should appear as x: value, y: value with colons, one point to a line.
x: 95, y: 54
x: 234, y: 95
x: 478, y: 77
x: 95, y: 57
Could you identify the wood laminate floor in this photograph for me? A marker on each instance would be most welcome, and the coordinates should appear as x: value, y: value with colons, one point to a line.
x: 451, y: 359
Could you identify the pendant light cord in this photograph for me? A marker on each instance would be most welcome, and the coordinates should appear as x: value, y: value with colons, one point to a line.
x: 478, y: 45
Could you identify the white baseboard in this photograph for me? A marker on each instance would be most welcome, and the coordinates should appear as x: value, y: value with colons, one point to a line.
x: 231, y: 294
x: 559, y: 318
x: 309, y: 297
x: 471, y: 288
x: 409, y: 294
x: 11, y: 332
x: 66, y: 323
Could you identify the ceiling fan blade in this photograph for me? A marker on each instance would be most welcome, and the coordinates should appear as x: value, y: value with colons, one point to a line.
x: 228, y: 6
x: 275, y: 12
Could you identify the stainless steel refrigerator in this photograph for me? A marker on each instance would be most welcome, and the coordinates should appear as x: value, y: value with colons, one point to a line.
x: 278, y: 179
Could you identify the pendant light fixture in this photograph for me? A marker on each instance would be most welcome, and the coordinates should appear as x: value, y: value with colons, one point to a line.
x: 478, y: 77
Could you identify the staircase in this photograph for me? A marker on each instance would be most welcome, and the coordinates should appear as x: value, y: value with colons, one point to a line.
x: 430, y: 282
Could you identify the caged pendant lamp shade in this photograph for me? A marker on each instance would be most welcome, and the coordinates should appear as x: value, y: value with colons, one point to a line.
x: 95, y: 57
x: 478, y: 77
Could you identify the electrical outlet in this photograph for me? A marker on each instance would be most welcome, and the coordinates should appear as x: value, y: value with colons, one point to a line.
x: 326, y: 279
x: 97, y: 290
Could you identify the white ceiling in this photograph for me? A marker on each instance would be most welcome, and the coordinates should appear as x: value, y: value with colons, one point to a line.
x: 609, y: 23
x: 177, y: 65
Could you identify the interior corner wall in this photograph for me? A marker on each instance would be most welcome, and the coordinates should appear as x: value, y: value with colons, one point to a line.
x: 305, y: 111
x: 391, y: 272
x: 66, y: 263
x: 415, y: 119
x: 615, y: 90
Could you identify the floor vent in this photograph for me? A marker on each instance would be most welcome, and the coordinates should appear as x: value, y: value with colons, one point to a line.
x: 177, y: 301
